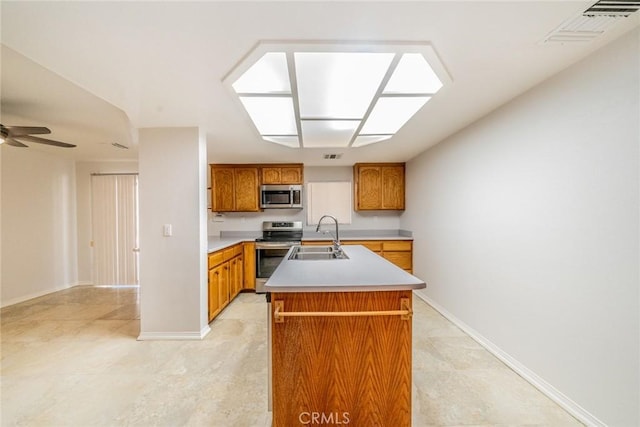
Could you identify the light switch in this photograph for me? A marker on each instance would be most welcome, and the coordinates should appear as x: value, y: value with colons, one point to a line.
x: 167, y: 232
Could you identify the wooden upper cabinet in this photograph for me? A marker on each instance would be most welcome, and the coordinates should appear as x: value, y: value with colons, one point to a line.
x: 282, y: 174
x: 379, y: 186
x: 234, y: 188
x: 270, y: 175
x: 393, y: 187
x: 222, y: 189
x: 246, y: 188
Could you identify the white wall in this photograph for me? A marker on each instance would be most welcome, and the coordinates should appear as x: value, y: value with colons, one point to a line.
x: 173, y: 270
x: 83, y: 190
x: 526, y: 228
x: 252, y: 221
x: 38, y: 224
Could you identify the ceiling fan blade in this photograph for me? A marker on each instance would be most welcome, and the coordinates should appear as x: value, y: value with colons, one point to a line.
x: 27, y: 130
x: 13, y: 142
x: 46, y: 141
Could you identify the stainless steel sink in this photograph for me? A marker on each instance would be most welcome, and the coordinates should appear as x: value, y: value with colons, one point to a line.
x: 315, y: 253
x: 313, y: 249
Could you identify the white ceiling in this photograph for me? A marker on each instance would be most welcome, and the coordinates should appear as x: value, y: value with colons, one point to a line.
x: 95, y: 71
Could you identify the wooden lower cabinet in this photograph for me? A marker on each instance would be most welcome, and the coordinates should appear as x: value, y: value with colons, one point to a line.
x: 226, y: 277
x: 399, y: 252
x: 249, y: 256
x: 215, y: 283
x: 223, y: 289
x: 236, y: 274
x: 352, y: 370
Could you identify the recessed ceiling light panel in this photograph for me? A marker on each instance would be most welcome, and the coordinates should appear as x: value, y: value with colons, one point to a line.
x: 390, y: 114
x: 335, y: 94
x: 268, y: 75
x: 413, y: 75
x: 328, y: 133
x: 362, y: 140
x: 271, y: 115
x: 338, y: 85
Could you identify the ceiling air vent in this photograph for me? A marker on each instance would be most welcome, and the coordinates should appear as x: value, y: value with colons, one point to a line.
x: 613, y: 8
x: 592, y: 22
x: 332, y: 156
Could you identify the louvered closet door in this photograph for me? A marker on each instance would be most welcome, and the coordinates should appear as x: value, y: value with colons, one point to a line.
x: 115, y: 229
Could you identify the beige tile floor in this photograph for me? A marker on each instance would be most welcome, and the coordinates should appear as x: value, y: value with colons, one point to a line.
x: 71, y: 358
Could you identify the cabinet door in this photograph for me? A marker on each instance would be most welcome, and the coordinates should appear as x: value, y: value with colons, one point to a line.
x: 223, y: 289
x: 368, y: 188
x: 379, y: 186
x: 222, y: 189
x: 246, y: 189
x: 249, y: 265
x: 393, y: 187
x: 291, y: 175
x: 215, y: 278
x: 235, y: 276
x: 271, y: 175
x: 232, y: 278
x: 239, y: 275
x: 399, y: 252
x: 282, y: 174
x: 401, y: 259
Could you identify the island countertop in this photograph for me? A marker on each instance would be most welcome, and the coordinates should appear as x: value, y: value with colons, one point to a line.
x: 363, y: 271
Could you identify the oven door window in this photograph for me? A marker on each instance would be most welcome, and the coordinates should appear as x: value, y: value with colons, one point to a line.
x: 267, y: 260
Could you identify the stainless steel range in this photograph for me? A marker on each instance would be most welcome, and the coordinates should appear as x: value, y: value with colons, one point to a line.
x: 277, y: 238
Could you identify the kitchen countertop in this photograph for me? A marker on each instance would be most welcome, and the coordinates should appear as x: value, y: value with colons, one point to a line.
x: 363, y: 271
x: 216, y: 243
x: 347, y: 238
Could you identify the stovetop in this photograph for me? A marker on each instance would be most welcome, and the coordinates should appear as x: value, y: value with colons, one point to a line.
x: 281, y: 231
x: 279, y: 239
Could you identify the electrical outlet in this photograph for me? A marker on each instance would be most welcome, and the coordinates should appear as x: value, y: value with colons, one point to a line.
x: 167, y: 231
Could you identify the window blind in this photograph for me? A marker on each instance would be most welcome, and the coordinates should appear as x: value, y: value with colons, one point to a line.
x: 329, y: 198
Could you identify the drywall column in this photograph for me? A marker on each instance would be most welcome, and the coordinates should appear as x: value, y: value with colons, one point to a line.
x: 172, y: 192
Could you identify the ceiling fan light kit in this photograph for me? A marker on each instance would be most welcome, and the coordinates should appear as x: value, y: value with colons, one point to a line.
x: 13, y: 135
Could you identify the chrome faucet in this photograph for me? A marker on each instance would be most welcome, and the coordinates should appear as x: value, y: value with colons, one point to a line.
x: 336, y: 237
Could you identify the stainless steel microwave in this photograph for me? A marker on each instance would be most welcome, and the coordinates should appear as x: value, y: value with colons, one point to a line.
x: 281, y: 196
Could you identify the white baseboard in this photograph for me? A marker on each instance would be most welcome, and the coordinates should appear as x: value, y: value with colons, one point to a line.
x: 84, y: 283
x: 27, y: 297
x: 547, y: 389
x: 174, y: 336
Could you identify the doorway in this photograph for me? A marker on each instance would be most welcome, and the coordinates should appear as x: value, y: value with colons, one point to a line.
x: 114, y: 229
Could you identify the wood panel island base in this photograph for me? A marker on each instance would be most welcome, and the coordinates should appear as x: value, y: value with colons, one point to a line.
x: 341, y: 355
x: 345, y: 369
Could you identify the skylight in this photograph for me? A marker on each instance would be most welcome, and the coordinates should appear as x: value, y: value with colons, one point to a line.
x: 335, y: 95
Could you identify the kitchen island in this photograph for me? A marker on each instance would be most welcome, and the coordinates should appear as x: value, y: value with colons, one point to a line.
x: 341, y: 341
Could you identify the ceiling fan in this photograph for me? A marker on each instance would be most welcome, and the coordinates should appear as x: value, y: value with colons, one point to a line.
x: 12, y: 134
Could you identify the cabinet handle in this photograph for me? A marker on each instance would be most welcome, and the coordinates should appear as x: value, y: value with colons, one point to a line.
x: 279, y: 314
